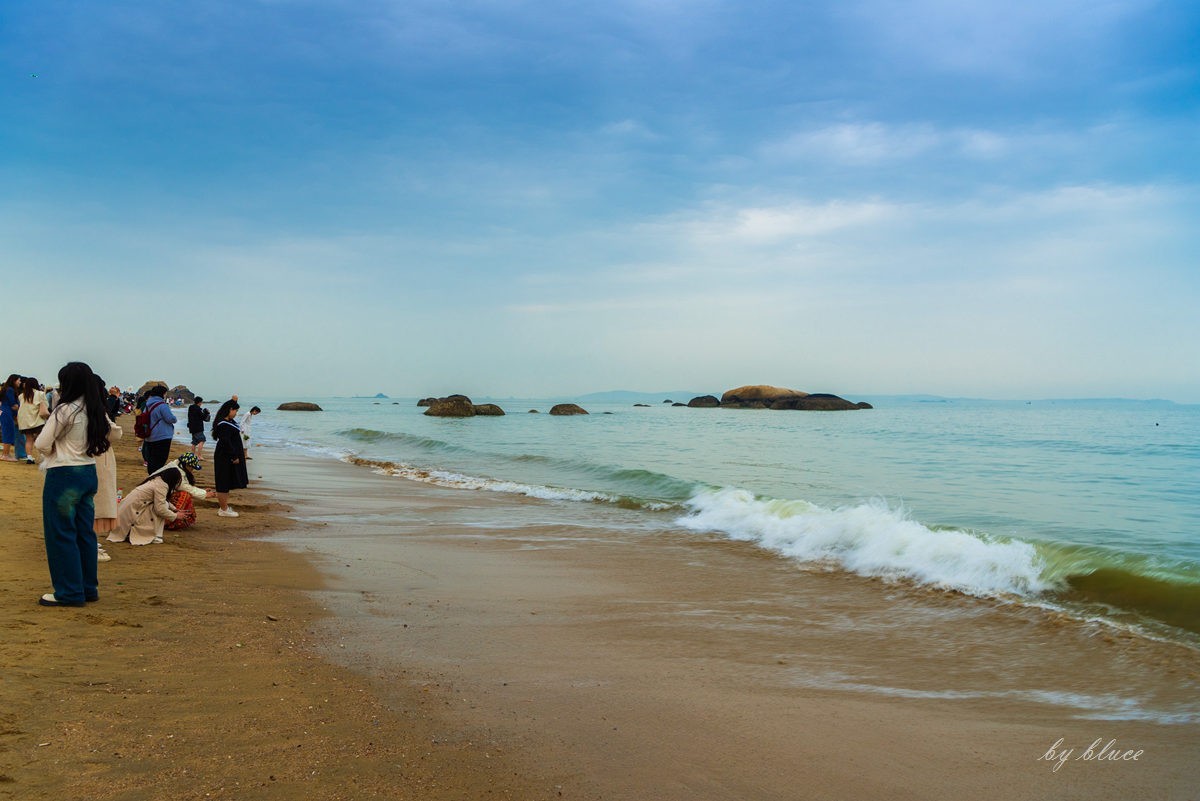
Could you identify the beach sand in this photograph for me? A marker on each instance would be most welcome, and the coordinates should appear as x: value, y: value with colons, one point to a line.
x: 397, y: 648
x: 197, y: 676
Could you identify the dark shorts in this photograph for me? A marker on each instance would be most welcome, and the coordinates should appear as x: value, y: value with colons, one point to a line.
x: 198, y: 437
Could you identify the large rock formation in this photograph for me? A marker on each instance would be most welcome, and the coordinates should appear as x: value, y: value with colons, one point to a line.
x: 149, y: 385
x: 181, y: 393
x: 761, y: 393
x: 299, y: 406
x: 704, y: 402
x: 567, y: 408
x: 766, y: 397
x: 427, y: 401
x: 819, y: 402
x: 452, y: 406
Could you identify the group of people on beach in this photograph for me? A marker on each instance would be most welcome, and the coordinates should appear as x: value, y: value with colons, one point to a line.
x: 72, y: 427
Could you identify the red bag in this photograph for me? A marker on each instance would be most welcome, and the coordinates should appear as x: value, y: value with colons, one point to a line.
x: 185, y: 512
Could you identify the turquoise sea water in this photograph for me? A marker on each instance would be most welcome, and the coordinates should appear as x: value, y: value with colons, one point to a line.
x: 1088, y: 506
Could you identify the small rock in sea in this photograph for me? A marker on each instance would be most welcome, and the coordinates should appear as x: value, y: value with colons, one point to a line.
x: 679, y: 404
x: 704, y: 402
x: 567, y: 408
x: 646, y: 405
x: 668, y: 401
x: 534, y: 411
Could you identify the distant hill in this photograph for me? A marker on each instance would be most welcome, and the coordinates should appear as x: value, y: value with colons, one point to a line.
x: 628, y: 396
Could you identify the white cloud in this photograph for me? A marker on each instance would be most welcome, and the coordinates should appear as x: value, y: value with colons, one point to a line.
x: 872, y: 143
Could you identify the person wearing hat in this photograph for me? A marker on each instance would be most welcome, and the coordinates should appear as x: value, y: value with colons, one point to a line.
x: 187, y: 492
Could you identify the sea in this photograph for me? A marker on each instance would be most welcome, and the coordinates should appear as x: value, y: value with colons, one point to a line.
x: 1087, y: 509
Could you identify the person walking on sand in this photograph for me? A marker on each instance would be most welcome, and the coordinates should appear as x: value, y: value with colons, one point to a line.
x: 147, y: 509
x: 31, y: 414
x: 157, y: 448
x: 76, y: 432
x: 197, y: 417
x: 229, y: 457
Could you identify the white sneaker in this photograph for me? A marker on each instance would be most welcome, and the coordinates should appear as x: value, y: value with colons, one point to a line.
x: 157, y: 541
x: 102, y: 555
x: 227, y: 512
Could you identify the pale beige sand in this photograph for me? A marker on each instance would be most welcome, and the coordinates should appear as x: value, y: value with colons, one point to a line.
x: 197, y: 676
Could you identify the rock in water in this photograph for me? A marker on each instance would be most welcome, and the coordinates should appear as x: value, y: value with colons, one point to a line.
x: 704, y: 402
x: 299, y: 406
x: 567, y: 408
x: 488, y: 410
x: 452, y: 406
x: 760, y: 392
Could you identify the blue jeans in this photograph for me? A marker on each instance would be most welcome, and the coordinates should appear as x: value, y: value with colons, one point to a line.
x: 68, y: 513
x: 19, y: 446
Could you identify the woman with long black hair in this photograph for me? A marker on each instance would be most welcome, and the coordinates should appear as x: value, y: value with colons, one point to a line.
x: 75, y: 434
x: 229, y: 457
x: 147, y: 509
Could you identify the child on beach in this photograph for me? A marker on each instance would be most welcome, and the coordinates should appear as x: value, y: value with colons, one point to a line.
x: 229, y: 457
x: 146, y: 510
x: 76, y: 432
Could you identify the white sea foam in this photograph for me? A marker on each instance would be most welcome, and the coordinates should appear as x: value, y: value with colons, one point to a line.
x: 872, y: 539
x: 446, y: 478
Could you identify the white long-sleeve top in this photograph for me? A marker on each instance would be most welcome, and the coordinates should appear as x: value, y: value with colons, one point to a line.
x: 63, y: 441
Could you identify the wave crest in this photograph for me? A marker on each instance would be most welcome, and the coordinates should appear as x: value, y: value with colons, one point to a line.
x: 872, y: 539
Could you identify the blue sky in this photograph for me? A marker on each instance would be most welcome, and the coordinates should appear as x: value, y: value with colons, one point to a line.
x: 311, y: 197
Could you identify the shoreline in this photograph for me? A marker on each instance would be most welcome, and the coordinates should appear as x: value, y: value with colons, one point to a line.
x: 677, y: 669
x: 198, y: 675
x: 246, y: 658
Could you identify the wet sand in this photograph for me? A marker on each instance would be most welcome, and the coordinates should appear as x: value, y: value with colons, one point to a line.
x: 663, y: 665
x: 403, y: 645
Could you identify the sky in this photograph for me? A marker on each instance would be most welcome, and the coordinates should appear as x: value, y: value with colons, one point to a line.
x: 419, y: 197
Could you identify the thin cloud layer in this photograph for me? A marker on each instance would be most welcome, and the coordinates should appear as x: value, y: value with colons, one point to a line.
x: 982, y: 199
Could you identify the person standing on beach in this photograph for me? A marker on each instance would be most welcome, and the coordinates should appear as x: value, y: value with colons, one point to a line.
x: 9, y: 404
x: 197, y: 417
x: 113, y: 403
x: 31, y: 414
x: 106, y: 481
x: 76, y: 432
x: 229, y: 457
x: 157, y: 448
x: 244, y: 424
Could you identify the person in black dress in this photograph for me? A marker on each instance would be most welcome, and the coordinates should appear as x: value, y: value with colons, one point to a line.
x: 229, y: 457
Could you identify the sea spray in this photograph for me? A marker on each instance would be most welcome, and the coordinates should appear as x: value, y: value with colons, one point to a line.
x: 872, y: 539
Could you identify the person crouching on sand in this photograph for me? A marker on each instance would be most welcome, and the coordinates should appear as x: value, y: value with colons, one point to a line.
x: 229, y: 457
x: 145, y: 510
x: 185, y: 497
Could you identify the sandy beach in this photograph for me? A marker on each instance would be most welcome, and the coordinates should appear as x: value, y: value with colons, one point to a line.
x: 198, y: 675
x: 382, y: 644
